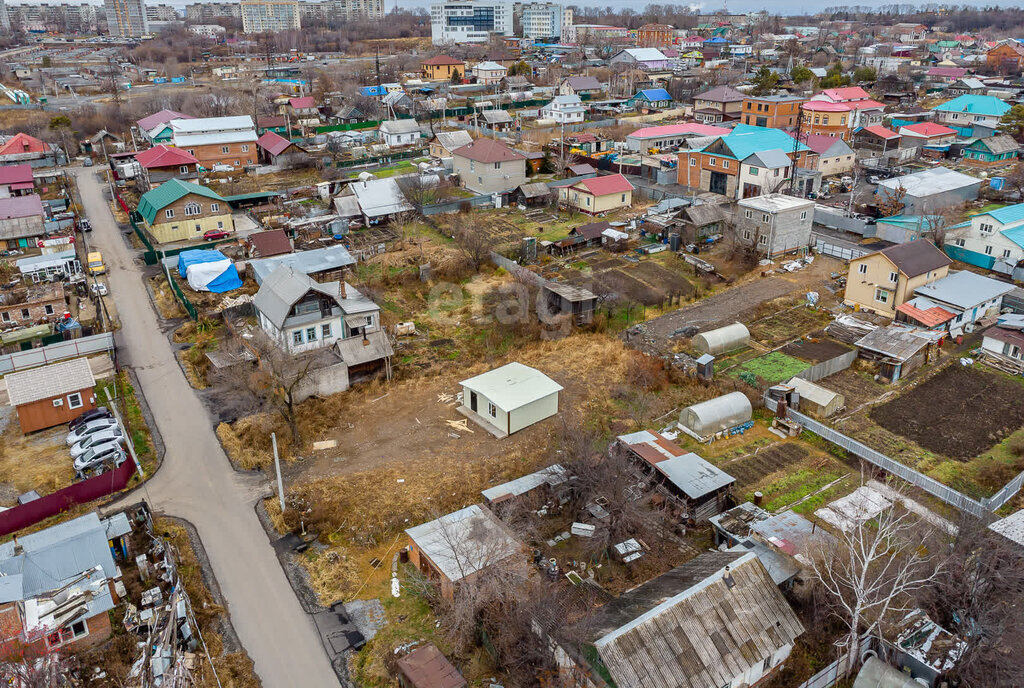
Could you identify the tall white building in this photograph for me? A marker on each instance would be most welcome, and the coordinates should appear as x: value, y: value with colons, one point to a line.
x: 268, y: 16
x: 126, y: 18
x: 333, y: 12
x: 5, y: 20
x: 208, y: 12
x: 543, y: 20
x: 472, y: 21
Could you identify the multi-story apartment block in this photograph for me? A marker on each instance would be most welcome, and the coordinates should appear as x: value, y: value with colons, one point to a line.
x: 267, y: 16
x: 126, y: 18
x: 542, y: 20
x: 472, y: 21
x: 62, y: 18
x: 208, y: 12
x: 334, y: 12
x: 5, y: 20
x: 161, y: 13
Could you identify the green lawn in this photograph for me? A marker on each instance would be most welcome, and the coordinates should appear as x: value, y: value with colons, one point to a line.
x: 772, y: 367
x: 987, y: 209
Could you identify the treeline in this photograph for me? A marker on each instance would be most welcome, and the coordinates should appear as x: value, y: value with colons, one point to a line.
x: 954, y: 18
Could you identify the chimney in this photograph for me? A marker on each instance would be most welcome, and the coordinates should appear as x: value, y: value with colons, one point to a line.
x: 727, y: 577
x: 18, y: 549
x: 342, y: 289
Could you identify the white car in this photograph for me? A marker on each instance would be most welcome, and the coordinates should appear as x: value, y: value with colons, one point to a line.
x: 96, y: 439
x: 97, y: 456
x: 99, y: 289
x: 90, y: 428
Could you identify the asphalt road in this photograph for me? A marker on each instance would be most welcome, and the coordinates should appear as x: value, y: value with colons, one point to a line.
x: 196, y: 482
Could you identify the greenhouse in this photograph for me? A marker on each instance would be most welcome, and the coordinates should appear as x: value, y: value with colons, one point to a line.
x: 728, y: 338
x: 705, y: 419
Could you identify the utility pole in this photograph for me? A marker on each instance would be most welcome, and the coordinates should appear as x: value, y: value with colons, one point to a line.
x: 277, y: 468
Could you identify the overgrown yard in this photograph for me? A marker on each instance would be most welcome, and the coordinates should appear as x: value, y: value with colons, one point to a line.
x: 771, y: 368
x: 787, y: 324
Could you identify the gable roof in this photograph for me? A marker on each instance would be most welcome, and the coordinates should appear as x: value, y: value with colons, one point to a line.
x: 608, y: 184
x: 465, y: 541
x: 17, y: 175
x: 273, y: 143
x: 283, y: 288
x: 721, y: 94
x: 881, y: 132
x: 488, y: 150
x: 583, y: 83
x: 273, y: 242
x: 846, y: 93
x: 927, y: 129
x: 822, y: 145
x: 399, y: 126
x: 23, y: 143
x: 975, y: 104
x: 1006, y: 215
x: 170, y: 191
x: 164, y: 156
x: 1001, y: 143
x: 645, y: 54
x: 303, y: 103
x: 426, y: 667
x: 916, y: 257
x: 441, y: 60
x: 21, y: 206
x: 746, y: 140
x: 653, y: 94
x: 451, y: 140
x: 769, y: 159
x: 158, y: 118
x: 688, y: 628
x: 591, y: 231
x: 54, y: 380
x: 964, y: 289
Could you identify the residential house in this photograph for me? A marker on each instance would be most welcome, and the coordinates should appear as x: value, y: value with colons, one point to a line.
x: 181, y: 211
x: 717, y: 620
x: 161, y: 163
x: 21, y: 221
x: 400, y: 132
x: 442, y: 67
x: 277, y: 150
x: 714, y: 164
x: 994, y: 151
x: 972, y: 115
x: 579, y: 86
x: 22, y: 148
x: 373, y: 201
x: 908, y: 32
x: 834, y: 155
x: 651, y: 98
x: 928, y: 191
x: 926, y: 134
x: 489, y: 73
x: 156, y: 128
x: 30, y: 305
x: 569, y: 300
x: 52, y: 394
x: 564, y: 110
x: 1005, y: 58
x: 272, y: 242
x: 532, y: 195
x: 765, y: 172
x: 346, y: 114
x: 965, y: 86
x: 879, y: 282
x: 775, y: 112
x: 489, y: 166
x: 968, y: 295
x: 510, y: 398
x: 213, y: 141
x: 876, y: 138
x: 303, y: 112
x: 699, y: 488
x: 775, y: 224
x: 839, y: 111
x: 1005, y: 342
x: 328, y: 264
x: 426, y: 667
x: 275, y: 123
x: 655, y: 36
x: 445, y: 143
x: 498, y: 120
x: 700, y: 221
x: 597, y: 195
x: 16, y: 180
x: 642, y: 58
x: 59, y: 586
x: 719, y: 104
x: 458, y: 546
x: 945, y: 75
x: 669, y: 136
x: 823, y: 118
x: 993, y: 240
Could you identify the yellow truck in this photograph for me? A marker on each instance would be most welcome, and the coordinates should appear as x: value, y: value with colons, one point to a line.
x: 96, y: 266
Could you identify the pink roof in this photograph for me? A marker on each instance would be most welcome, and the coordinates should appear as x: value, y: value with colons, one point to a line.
x: 929, y: 129
x: 847, y: 93
x: 23, y: 143
x: 865, y: 104
x: 165, y: 156
x: 953, y: 72
x: 158, y: 118
x: 273, y: 143
x: 929, y: 317
x: 825, y: 106
x: 21, y: 206
x: 17, y: 175
x: 609, y: 184
x: 302, y: 103
x: 677, y: 129
x: 881, y: 132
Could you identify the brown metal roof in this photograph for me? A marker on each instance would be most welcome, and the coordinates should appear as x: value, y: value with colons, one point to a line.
x: 271, y: 243
x: 916, y: 257
x: 426, y: 667
x: 488, y: 150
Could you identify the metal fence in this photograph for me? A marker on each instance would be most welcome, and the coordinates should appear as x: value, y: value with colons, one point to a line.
x: 839, y: 251
x: 929, y: 485
x: 456, y: 205
x: 837, y: 219
x: 829, y: 367
x: 73, y: 348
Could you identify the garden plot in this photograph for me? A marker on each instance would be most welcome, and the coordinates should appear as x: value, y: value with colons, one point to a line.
x: 787, y: 324
x: 772, y: 368
x: 648, y: 282
x: 815, y: 349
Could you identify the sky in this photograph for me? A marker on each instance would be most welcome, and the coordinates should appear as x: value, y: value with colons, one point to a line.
x: 782, y: 7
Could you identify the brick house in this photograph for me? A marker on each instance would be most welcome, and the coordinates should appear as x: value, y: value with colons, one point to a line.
x: 32, y: 305
x: 227, y: 141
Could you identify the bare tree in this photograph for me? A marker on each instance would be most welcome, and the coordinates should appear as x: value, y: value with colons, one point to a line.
x: 875, y: 568
x: 892, y: 201
x: 474, y: 244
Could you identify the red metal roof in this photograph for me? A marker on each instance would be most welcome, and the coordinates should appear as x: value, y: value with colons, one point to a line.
x: 609, y: 184
x: 164, y: 156
x: 21, y: 206
x: 16, y: 175
x: 162, y: 117
x: 881, y: 132
x: 825, y: 106
x: 677, y: 129
x: 847, y: 93
x: 302, y: 103
x: 929, y: 317
x: 273, y: 143
x: 952, y: 72
x: 864, y: 104
x: 23, y: 143
x: 929, y: 129
x: 440, y: 60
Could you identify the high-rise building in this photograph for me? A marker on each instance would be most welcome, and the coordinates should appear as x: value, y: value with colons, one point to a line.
x: 161, y: 13
x: 126, y: 18
x: 472, y: 21
x: 207, y: 12
x: 542, y: 20
x: 264, y: 16
x: 5, y: 20
x: 334, y: 12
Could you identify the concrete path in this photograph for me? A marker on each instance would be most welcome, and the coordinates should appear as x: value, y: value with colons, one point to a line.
x: 197, y: 483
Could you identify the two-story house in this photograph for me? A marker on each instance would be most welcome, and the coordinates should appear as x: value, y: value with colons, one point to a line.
x: 579, y: 86
x: 156, y: 128
x: 597, y: 195
x: 880, y: 282
x: 775, y: 224
x: 161, y: 163
x: 489, y: 73
x: 213, y: 141
x: 564, y: 110
x: 442, y: 67
x: 776, y: 112
x: 993, y: 240
x: 489, y: 166
x: 719, y: 104
x: 1006, y: 58
x: 839, y: 111
x: 303, y: 112
x: 178, y: 211
x: 972, y: 115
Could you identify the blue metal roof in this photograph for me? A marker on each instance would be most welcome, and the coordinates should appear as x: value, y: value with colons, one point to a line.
x: 372, y: 91
x: 974, y: 104
x: 1015, y: 234
x: 653, y: 94
x: 745, y: 140
x: 1007, y: 215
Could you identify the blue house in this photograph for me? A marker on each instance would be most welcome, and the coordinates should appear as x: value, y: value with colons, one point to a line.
x: 972, y: 115
x: 993, y: 151
x: 651, y: 97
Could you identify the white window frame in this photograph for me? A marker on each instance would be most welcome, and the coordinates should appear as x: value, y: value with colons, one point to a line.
x: 763, y: 239
x: 988, y: 249
x: 225, y: 149
x: 862, y: 268
x: 169, y: 213
x: 183, y: 169
x: 192, y: 209
x: 492, y: 410
x: 803, y: 215
x: 245, y: 148
x: 959, y: 242
x: 884, y: 293
x: 214, y: 207
x: 75, y: 400
x: 894, y: 277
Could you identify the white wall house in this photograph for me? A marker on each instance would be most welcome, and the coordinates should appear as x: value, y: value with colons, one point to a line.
x: 510, y: 398
x: 400, y: 132
x: 969, y: 295
x: 993, y: 240
x: 564, y: 110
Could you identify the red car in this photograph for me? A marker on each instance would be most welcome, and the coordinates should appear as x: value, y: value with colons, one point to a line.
x: 215, y: 234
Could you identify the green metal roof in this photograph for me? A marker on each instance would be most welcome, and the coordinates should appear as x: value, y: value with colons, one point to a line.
x: 251, y: 196
x: 25, y: 334
x: 170, y: 191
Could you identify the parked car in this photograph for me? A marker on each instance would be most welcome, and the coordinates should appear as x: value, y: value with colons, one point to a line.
x: 85, y: 225
x: 98, y: 289
x: 90, y: 428
x: 97, y: 456
x: 96, y: 440
x: 215, y: 234
x: 87, y: 162
x: 90, y: 415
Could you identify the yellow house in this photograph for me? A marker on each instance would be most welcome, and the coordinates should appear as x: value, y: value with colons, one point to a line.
x: 882, y: 281
x: 441, y: 68
x: 597, y: 195
x: 178, y: 211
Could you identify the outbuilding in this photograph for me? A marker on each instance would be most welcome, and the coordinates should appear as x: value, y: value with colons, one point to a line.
x: 815, y: 400
x: 728, y: 338
x: 707, y: 418
x: 51, y: 395
x: 510, y: 398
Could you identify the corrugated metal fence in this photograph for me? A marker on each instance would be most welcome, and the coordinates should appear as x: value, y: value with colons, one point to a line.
x: 840, y: 251
x: 829, y: 367
x: 73, y: 348
x: 929, y: 485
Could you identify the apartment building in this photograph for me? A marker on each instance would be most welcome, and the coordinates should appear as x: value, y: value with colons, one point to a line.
x: 542, y: 20
x: 126, y: 18
x: 161, y: 13
x: 208, y: 12
x: 332, y: 12
x: 473, y: 21
x: 217, y: 140
x: 269, y: 16
x: 62, y: 18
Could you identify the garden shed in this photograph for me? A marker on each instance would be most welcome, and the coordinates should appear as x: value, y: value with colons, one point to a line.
x: 728, y: 338
x: 815, y: 399
x: 705, y: 419
x: 509, y: 398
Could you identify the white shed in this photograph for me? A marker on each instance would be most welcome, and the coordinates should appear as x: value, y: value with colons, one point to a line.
x: 509, y: 398
x: 815, y: 399
x: 728, y: 338
x: 715, y: 415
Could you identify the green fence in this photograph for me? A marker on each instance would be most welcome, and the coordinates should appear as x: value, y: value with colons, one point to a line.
x: 151, y: 257
x: 180, y: 295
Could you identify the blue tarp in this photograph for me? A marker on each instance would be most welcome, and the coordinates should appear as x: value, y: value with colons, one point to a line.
x: 226, y: 280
